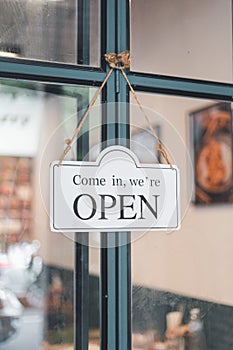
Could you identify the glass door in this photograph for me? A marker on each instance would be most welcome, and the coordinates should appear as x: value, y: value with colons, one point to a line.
x: 51, y: 64
x: 180, y: 279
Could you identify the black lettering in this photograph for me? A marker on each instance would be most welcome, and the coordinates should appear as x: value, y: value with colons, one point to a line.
x: 77, y: 181
x: 93, y: 206
x: 103, y: 205
x: 123, y: 206
x: 144, y: 200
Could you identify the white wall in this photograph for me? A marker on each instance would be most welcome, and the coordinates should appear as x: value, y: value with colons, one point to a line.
x: 55, y: 249
x: 197, y: 260
x: 59, y: 123
x: 191, y: 38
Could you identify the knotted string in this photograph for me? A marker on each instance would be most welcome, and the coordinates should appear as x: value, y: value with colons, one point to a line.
x: 119, y: 61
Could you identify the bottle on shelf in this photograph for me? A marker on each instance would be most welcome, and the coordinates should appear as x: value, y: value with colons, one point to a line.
x: 195, y: 339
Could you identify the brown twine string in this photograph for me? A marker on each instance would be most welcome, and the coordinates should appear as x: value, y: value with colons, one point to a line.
x: 116, y: 61
x: 160, y: 147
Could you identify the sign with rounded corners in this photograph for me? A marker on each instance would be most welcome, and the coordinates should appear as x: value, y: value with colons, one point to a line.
x: 114, y: 193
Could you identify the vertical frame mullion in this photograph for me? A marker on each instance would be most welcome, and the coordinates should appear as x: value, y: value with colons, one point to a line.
x: 81, y: 268
x: 123, y: 44
x: 124, y: 247
x: 115, y: 258
x: 108, y: 281
x: 83, y: 32
x: 81, y: 292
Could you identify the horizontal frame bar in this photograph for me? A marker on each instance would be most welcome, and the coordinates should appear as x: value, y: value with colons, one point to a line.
x: 45, y: 71
x: 181, y: 86
x: 84, y: 75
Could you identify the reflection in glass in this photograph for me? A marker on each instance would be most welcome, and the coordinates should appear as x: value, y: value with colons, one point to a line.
x: 36, y: 266
x: 182, y: 286
x: 47, y: 30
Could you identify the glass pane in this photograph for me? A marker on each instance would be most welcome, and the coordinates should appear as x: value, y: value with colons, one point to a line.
x: 51, y: 30
x: 182, y: 38
x: 36, y: 265
x: 190, y: 268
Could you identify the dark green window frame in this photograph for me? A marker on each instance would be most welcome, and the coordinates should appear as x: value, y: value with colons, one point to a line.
x: 115, y: 280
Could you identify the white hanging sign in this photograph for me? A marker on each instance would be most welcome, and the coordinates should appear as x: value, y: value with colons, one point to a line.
x: 115, y: 193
